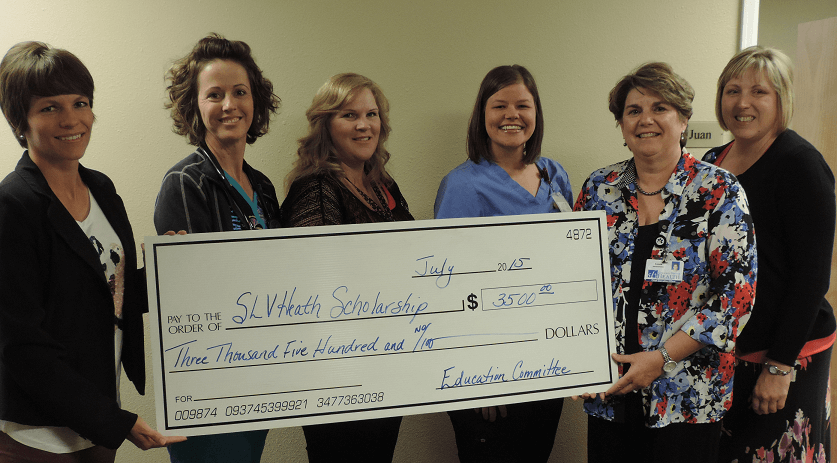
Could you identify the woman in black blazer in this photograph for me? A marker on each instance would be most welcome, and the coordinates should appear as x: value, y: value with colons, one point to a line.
x: 71, y: 296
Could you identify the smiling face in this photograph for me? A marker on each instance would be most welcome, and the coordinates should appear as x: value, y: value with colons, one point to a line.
x: 750, y: 107
x: 59, y: 128
x: 510, y: 116
x: 225, y: 102
x: 650, y: 125
x: 355, y: 129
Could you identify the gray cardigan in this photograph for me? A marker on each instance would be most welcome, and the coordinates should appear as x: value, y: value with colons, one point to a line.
x: 195, y: 197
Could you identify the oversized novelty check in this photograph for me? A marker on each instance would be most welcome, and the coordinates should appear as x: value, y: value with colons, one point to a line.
x: 264, y: 329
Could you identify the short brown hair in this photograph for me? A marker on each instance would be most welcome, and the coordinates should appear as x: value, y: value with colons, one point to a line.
x: 34, y: 69
x: 775, y: 65
x: 183, y: 87
x: 317, y: 152
x: 496, y: 80
x: 660, y: 79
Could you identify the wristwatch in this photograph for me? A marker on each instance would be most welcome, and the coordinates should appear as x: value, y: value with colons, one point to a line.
x: 774, y: 370
x: 669, y: 364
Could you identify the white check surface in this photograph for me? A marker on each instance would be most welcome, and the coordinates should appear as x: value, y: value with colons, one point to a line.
x: 274, y: 328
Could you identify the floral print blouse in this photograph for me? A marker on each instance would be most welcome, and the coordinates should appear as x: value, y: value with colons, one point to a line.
x: 705, y: 224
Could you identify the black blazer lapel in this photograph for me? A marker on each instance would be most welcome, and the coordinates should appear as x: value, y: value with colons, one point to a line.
x: 60, y: 218
x: 67, y: 228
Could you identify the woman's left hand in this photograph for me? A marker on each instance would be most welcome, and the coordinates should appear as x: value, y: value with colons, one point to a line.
x: 771, y: 391
x: 168, y: 233
x: 645, y: 368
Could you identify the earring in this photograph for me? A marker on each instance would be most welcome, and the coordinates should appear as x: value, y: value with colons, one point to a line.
x: 682, y: 139
x: 625, y: 144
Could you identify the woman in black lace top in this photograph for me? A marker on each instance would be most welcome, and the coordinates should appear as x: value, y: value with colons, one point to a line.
x: 339, y: 178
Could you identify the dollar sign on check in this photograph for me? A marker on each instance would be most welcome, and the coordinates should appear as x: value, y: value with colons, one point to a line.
x: 472, y: 301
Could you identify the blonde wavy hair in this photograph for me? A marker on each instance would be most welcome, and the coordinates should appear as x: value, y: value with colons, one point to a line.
x: 317, y: 153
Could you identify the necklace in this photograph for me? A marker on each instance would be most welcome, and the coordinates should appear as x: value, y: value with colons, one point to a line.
x: 385, y: 212
x: 646, y: 193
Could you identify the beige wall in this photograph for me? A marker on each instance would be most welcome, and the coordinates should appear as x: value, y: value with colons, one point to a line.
x: 429, y: 57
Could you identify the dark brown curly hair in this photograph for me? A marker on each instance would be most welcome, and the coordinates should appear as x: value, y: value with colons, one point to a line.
x: 183, y: 87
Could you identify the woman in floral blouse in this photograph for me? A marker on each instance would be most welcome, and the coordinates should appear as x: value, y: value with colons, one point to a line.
x: 683, y: 263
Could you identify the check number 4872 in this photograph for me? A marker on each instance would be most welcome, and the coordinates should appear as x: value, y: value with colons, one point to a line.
x: 580, y: 234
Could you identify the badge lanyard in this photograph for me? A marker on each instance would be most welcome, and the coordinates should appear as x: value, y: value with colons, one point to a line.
x: 243, y: 217
x: 558, y: 200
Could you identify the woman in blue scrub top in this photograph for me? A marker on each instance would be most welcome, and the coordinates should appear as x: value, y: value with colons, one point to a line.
x: 505, y: 175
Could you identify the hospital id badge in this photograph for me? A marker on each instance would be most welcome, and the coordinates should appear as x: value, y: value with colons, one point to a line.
x: 664, y: 271
x: 558, y: 202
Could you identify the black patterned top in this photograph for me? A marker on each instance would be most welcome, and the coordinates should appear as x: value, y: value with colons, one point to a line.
x: 324, y: 200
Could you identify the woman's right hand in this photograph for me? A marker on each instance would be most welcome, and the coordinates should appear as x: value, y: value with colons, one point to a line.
x: 145, y: 437
x: 490, y: 413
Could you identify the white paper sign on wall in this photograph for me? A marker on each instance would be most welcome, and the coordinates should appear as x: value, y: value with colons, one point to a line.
x: 705, y: 135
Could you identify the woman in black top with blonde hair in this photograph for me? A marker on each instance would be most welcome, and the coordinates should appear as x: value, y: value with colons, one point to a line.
x: 339, y: 178
x: 781, y: 409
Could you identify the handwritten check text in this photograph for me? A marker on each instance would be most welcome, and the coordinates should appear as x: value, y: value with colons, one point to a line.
x: 274, y: 328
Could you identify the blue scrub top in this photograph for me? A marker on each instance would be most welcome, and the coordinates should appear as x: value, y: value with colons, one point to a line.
x: 484, y: 189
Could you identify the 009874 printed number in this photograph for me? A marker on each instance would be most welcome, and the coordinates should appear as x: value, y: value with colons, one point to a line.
x: 350, y: 399
x: 195, y: 413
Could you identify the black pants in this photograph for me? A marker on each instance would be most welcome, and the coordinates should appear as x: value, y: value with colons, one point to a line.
x: 608, y: 441
x: 12, y: 451
x: 526, y: 434
x: 370, y: 441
